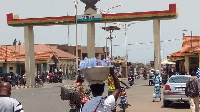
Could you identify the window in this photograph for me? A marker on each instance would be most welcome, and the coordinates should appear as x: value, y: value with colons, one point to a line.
x: 178, y: 79
x: 11, y: 69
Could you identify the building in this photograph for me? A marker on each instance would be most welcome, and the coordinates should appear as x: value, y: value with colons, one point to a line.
x: 12, y: 58
x: 187, y: 59
x: 82, y: 51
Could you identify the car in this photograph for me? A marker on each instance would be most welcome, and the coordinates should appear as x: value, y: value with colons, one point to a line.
x: 174, y: 90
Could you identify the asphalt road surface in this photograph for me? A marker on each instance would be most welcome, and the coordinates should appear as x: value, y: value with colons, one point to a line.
x: 47, y: 99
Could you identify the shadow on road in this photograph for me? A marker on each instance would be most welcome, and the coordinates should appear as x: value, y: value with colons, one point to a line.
x: 178, y: 106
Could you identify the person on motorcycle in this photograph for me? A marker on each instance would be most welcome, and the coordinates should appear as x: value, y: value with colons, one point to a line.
x: 131, y: 75
x: 79, y: 84
x: 98, y: 103
x: 79, y: 79
x: 131, y: 78
x: 145, y: 73
x: 111, y: 87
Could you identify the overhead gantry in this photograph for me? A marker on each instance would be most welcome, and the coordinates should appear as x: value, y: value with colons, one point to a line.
x: 90, y: 20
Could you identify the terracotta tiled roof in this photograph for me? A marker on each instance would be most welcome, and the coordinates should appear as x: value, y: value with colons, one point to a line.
x: 190, y: 44
x: 62, y: 54
x: 176, y: 54
x: 43, y: 52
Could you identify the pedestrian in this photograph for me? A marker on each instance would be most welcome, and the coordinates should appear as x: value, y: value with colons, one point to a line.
x: 8, y: 104
x: 24, y: 79
x: 1, y: 79
x: 98, y: 103
x: 157, y: 81
x: 111, y: 86
x: 192, y: 91
x: 198, y: 73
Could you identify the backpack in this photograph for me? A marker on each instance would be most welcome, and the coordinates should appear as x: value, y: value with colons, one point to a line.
x: 192, y: 89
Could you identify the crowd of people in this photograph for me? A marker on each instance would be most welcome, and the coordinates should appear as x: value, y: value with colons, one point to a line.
x: 50, y: 77
x: 99, y: 103
x: 41, y: 77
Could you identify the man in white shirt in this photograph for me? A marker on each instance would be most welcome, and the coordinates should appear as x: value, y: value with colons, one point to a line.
x: 8, y: 104
x: 98, y: 103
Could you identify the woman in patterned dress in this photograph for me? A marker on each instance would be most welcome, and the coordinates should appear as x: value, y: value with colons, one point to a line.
x: 157, y: 80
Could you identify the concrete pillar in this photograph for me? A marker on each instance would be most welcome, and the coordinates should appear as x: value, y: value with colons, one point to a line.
x: 29, y: 55
x: 199, y: 60
x: 5, y: 68
x: 58, y: 66
x: 91, y: 39
x: 187, y: 64
x: 81, y: 58
x: 64, y: 69
x: 36, y: 72
x: 48, y: 67
x: 157, y: 54
x: 42, y: 68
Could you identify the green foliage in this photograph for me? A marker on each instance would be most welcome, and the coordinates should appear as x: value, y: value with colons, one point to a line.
x: 15, y: 42
x: 19, y: 43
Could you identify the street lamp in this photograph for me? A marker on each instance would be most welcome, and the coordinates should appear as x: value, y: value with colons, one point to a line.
x: 128, y: 53
x: 125, y: 28
x: 111, y: 29
x: 106, y: 11
x: 163, y: 54
x: 184, y: 33
x: 76, y: 7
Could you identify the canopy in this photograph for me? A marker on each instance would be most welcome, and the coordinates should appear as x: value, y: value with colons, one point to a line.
x: 165, y: 62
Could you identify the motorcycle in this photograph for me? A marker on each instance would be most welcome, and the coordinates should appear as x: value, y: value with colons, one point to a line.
x: 145, y: 76
x: 123, y: 100
x: 77, y: 105
x: 137, y: 76
x: 131, y: 80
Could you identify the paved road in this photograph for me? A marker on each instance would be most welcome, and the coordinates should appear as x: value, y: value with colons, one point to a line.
x: 47, y: 99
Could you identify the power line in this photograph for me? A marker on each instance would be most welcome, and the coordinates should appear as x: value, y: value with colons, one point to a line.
x: 141, y: 43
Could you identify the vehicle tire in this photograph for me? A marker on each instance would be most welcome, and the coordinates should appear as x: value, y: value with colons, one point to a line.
x: 166, y: 103
x: 56, y: 81
x: 75, y: 110
x: 149, y: 83
x: 124, y: 109
x: 72, y: 110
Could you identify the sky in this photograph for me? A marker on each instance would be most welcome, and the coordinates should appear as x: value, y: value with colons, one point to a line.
x: 142, y: 32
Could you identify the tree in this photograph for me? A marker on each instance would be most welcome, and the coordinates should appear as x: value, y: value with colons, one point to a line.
x: 15, y: 42
x: 19, y: 43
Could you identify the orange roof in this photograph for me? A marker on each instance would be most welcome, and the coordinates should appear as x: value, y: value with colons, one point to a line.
x: 176, y: 54
x: 190, y: 44
x: 43, y: 52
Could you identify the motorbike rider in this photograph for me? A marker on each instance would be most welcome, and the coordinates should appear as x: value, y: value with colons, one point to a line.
x: 111, y: 86
x: 145, y: 73
x: 79, y: 79
x: 79, y: 82
x: 131, y: 77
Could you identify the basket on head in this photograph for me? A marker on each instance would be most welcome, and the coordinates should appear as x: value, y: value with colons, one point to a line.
x: 98, y: 73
